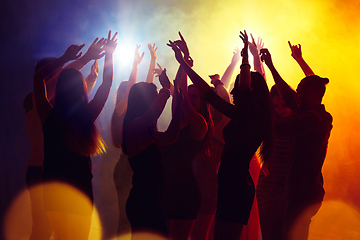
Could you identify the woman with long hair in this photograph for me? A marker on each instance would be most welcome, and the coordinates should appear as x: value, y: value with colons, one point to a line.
x: 140, y: 143
x: 71, y: 137
x: 250, y: 127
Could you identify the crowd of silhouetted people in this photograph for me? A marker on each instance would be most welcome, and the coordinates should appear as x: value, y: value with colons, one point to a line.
x: 246, y: 167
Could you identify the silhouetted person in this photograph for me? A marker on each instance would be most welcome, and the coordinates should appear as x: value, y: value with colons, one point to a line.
x: 270, y: 189
x: 206, y: 165
x: 182, y: 199
x: 71, y: 137
x: 271, y: 186
x: 304, y: 190
x: 250, y: 125
x: 41, y: 227
x: 122, y: 170
x: 141, y: 142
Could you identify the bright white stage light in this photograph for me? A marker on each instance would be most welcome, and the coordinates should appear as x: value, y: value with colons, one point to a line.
x: 125, y: 55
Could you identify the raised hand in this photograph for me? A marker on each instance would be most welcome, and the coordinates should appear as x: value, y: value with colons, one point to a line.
x: 266, y: 57
x: 183, y: 46
x: 95, y: 69
x: 137, y: 57
x: 297, y: 55
x: 152, y: 50
x: 111, y: 43
x: 295, y: 51
x: 244, y: 38
x: 236, y: 57
x: 178, y: 55
x: 96, y: 49
x: 164, y: 80
x: 72, y: 52
x: 158, y: 71
x: 255, y: 47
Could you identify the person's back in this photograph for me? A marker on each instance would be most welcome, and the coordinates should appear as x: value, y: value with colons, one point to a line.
x: 304, y: 181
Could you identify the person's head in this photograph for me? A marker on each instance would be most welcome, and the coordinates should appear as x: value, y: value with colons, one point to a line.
x: 214, y: 78
x: 310, y: 91
x: 141, y: 96
x: 80, y: 133
x: 70, y: 91
x: 121, y: 90
x: 123, y: 86
x: 235, y: 92
x: 279, y: 106
x: 196, y: 100
x: 44, y: 61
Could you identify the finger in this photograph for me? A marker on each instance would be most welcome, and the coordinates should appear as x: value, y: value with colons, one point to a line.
x: 252, y: 39
x: 160, y: 66
x: 81, y: 46
x: 94, y: 42
x: 113, y: 38
x: 101, y: 41
x: 79, y: 55
x: 170, y: 44
x: 290, y: 44
x: 109, y: 35
x: 260, y: 42
x: 242, y: 35
x: 155, y: 49
x: 299, y: 46
x: 101, y: 55
x: 181, y: 37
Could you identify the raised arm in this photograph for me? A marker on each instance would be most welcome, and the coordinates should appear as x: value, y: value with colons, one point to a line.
x: 122, y: 96
x: 297, y: 55
x: 152, y: 66
x: 172, y: 132
x: 220, y: 104
x: 98, y: 102
x: 94, y: 52
x: 255, y: 51
x: 158, y: 105
x: 245, y: 77
x: 219, y: 86
x: 90, y: 80
x: 201, y: 85
x: 226, y: 77
x: 137, y: 61
x: 198, y: 125
x: 43, y: 105
x: 285, y: 91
